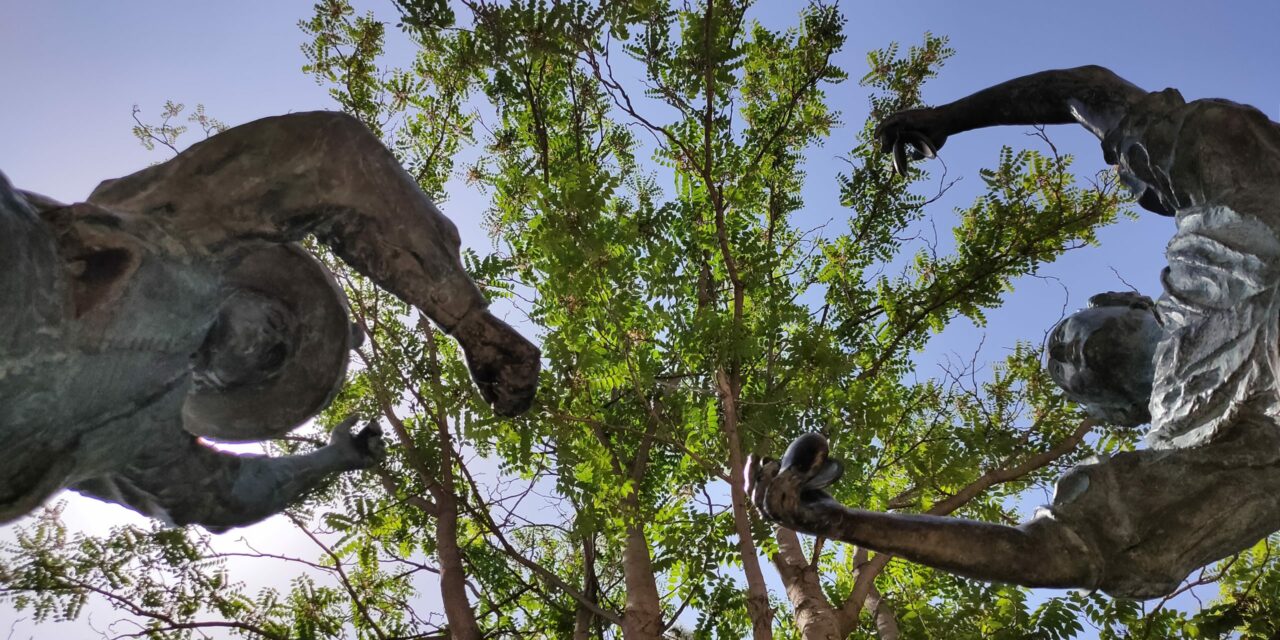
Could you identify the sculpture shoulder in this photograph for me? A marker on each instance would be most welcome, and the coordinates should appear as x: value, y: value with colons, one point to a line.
x: 40, y: 202
x: 1228, y: 154
x: 1203, y: 152
x: 119, y: 268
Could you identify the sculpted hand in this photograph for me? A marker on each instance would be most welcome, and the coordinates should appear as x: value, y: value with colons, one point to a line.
x: 358, y: 450
x: 503, y: 364
x: 911, y: 135
x: 790, y: 491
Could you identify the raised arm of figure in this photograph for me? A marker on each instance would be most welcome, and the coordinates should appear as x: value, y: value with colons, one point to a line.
x: 1038, y: 553
x: 183, y: 481
x: 282, y: 178
x: 1091, y: 95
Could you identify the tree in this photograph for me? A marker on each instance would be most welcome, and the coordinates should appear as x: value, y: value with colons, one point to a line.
x: 644, y: 165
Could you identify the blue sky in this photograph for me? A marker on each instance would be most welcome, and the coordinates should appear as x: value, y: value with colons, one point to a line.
x: 71, y: 70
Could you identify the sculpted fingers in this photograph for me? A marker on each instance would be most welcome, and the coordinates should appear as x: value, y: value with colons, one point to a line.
x: 886, y: 132
x: 341, y: 434
x: 359, y: 450
x: 370, y: 444
x: 790, y: 491
x: 774, y: 491
x: 759, y: 474
x: 503, y: 364
x: 809, y: 457
x: 910, y: 135
x: 780, y: 501
x: 911, y: 145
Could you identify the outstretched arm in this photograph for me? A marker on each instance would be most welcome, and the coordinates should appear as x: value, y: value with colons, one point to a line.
x: 280, y: 179
x: 1038, y: 553
x: 186, y: 482
x: 1092, y: 96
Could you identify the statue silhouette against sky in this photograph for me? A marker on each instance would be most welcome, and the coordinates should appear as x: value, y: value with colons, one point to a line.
x: 1199, y: 365
x: 175, y: 304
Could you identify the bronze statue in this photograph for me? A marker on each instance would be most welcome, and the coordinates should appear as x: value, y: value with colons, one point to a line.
x: 175, y: 304
x: 1200, y: 364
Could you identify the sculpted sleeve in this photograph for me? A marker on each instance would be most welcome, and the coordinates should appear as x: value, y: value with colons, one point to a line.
x: 1216, y: 165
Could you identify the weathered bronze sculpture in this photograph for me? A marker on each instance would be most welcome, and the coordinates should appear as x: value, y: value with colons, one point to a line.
x: 175, y: 304
x: 1200, y: 365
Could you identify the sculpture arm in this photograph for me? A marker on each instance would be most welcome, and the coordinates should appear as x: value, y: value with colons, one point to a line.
x: 283, y: 178
x: 1091, y: 95
x: 185, y: 481
x: 1038, y: 553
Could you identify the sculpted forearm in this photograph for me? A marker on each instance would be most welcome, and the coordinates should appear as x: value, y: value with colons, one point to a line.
x: 1023, y: 555
x: 1039, y: 553
x: 1091, y: 96
x: 262, y: 486
x: 242, y: 490
x: 187, y: 482
x: 280, y: 179
x: 1060, y: 96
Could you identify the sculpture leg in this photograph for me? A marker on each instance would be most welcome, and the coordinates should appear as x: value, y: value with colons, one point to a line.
x: 283, y: 178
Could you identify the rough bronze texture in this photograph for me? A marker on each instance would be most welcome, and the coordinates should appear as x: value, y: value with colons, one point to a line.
x: 1199, y: 364
x: 175, y: 303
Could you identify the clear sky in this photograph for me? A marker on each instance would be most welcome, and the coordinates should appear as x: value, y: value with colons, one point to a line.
x: 71, y: 70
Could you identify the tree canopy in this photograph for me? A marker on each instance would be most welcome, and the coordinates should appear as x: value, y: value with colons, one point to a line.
x: 644, y: 168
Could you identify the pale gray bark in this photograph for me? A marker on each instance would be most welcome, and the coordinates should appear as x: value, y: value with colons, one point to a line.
x: 815, y: 617
x: 585, y: 622
x: 642, y: 614
x: 885, y: 618
x: 758, y: 608
x: 453, y: 576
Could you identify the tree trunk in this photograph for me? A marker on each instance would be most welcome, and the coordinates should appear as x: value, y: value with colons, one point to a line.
x: 453, y: 578
x: 886, y: 619
x: 757, y: 593
x: 816, y: 618
x: 642, y: 616
x: 584, y: 619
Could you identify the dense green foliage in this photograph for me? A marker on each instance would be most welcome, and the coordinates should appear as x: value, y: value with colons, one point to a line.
x: 644, y: 169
